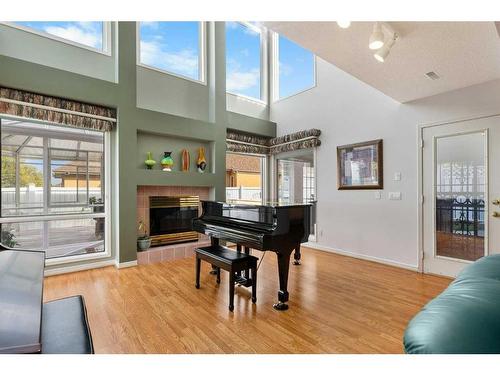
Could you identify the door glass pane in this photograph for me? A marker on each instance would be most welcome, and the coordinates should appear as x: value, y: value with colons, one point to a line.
x: 297, y: 180
x: 460, y: 196
x: 244, y: 178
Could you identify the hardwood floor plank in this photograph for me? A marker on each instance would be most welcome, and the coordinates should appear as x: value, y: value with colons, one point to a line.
x: 337, y: 304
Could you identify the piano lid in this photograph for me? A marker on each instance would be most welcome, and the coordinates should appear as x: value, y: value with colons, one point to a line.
x: 257, y: 213
x: 270, y: 204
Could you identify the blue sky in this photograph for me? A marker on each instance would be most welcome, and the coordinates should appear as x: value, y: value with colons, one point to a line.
x: 296, y: 69
x: 86, y: 33
x: 174, y: 47
x: 171, y: 46
x: 242, y: 60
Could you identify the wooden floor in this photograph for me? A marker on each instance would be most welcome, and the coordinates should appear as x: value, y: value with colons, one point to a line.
x: 337, y: 304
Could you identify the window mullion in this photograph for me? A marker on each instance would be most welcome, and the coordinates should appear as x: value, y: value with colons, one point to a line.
x: 46, y: 191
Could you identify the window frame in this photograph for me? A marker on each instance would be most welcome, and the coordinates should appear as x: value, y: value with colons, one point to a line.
x: 202, y: 56
x: 264, y: 71
x: 275, y: 81
x: 45, y: 218
x: 106, y: 37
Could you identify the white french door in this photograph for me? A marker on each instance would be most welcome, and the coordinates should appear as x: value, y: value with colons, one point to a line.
x: 461, y: 189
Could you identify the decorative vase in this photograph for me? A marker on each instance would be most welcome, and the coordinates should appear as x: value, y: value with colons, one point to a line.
x: 150, y: 162
x: 185, y: 160
x: 201, y: 163
x: 167, y: 162
x: 143, y: 243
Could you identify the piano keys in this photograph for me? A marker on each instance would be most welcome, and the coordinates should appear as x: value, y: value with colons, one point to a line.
x: 272, y: 227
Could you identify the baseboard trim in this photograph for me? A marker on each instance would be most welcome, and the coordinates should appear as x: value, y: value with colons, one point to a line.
x: 132, y: 263
x: 370, y: 258
x: 79, y: 267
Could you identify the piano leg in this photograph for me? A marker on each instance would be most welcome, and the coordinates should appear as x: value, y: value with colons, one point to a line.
x: 296, y: 256
x: 283, y: 265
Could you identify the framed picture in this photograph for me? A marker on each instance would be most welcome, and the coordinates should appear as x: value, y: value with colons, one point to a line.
x: 360, y: 166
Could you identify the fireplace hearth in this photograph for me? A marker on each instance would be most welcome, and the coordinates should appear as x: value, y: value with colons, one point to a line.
x: 170, y: 219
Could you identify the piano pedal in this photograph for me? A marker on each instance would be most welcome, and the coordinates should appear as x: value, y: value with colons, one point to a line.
x: 243, y: 281
x: 296, y: 262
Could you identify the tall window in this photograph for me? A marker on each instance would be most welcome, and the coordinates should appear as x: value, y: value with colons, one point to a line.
x: 243, y: 60
x: 173, y: 47
x: 295, y: 71
x: 52, y: 188
x: 245, y: 175
x: 88, y: 34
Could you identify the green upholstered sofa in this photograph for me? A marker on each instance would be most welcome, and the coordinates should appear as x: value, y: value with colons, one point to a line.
x: 465, y: 318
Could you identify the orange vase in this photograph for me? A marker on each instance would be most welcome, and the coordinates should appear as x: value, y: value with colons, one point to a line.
x: 201, y: 163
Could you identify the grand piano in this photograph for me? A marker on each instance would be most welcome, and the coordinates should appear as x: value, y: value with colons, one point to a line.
x: 271, y: 227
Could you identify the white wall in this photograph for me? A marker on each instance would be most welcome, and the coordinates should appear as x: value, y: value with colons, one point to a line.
x: 349, y: 111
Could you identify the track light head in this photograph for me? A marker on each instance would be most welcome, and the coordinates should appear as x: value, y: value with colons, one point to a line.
x: 344, y: 24
x: 383, y: 52
x: 377, y: 38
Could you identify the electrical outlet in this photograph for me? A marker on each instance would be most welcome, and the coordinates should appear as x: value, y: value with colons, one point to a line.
x: 397, y: 176
x: 378, y: 195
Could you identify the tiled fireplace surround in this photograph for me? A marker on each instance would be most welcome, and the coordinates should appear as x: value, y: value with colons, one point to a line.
x: 167, y: 252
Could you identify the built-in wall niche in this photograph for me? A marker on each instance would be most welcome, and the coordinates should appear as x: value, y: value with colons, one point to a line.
x: 157, y: 144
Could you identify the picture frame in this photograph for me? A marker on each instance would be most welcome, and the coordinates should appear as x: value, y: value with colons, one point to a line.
x: 360, y: 166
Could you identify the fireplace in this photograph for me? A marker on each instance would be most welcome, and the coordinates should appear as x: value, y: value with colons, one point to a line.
x: 170, y: 219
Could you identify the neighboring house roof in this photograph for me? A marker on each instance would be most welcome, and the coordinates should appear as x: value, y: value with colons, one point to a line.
x: 242, y: 163
x: 71, y: 169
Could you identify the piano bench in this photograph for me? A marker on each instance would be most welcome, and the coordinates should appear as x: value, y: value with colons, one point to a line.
x: 230, y: 261
x: 65, y: 327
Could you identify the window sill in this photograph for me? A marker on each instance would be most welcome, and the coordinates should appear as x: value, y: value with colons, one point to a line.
x: 158, y: 70
x: 76, y: 258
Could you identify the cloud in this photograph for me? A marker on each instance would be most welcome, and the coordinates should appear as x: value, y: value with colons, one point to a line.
x: 151, y: 25
x: 183, y: 62
x: 81, y: 33
x: 242, y: 80
x: 285, y: 69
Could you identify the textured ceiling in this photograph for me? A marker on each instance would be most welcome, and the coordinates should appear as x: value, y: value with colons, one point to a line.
x: 461, y: 53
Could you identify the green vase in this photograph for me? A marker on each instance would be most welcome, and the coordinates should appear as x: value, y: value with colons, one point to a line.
x: 167, y: 162
x: 150, y: 162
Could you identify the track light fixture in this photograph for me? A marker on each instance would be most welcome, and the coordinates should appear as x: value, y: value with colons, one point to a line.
x: 344, y: 24
x: 377, y: 38
x: 383, y: 52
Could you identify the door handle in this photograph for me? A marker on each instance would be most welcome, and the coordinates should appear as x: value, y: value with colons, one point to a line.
x: 495, y: 214
x: 495, y: 202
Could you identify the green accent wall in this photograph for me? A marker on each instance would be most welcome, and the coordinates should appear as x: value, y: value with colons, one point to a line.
x: 134, y: 122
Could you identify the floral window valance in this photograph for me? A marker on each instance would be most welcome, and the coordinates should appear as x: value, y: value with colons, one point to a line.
x: 61, y: 111
x: 254, y: 144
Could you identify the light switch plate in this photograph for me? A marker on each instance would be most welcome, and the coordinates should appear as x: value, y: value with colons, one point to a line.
x: 395, y: 195
x: 397, y: 176
x: 378, y: 195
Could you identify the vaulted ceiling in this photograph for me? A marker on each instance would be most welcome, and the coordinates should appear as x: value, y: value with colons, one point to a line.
x: 460, y: 53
